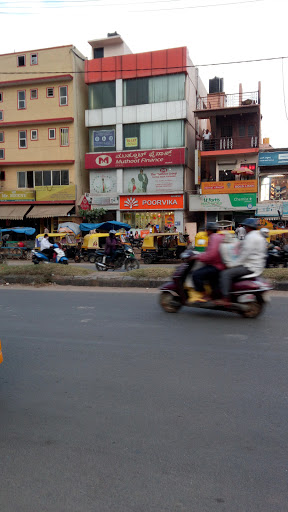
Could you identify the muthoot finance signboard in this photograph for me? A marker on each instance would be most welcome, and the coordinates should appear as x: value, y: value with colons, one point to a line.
x: 152, y: 202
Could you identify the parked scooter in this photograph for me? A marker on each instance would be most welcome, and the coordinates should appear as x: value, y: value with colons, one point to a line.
x: 124, y: 256
x: 248, y: 295
x: 58, y: 257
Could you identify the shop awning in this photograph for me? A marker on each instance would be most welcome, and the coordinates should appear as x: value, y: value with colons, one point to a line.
x: 13, y: 212
x: 46, y: 211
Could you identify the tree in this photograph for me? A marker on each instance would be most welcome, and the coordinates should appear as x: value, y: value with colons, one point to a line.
x: 92, y: 216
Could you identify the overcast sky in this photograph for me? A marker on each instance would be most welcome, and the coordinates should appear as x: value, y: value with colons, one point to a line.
x: 255, y: 29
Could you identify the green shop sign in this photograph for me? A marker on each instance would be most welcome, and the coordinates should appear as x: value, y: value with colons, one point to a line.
x: 243, y: 200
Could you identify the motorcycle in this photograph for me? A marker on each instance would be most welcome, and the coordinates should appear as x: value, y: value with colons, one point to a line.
x: 40, y: 257
x: 248, y: 295
x: 277, y: 256
x: 124, y: 256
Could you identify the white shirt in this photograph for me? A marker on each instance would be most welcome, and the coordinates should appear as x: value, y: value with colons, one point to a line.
x: 206, y: 136
x: 45, y: 244
x: 253, y: 253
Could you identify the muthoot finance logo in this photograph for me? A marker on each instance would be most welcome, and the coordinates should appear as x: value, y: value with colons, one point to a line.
x: 103, y: 160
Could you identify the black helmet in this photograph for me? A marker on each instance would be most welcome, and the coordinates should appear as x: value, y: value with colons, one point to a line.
x: 251, y: 223
x: 212, y: 226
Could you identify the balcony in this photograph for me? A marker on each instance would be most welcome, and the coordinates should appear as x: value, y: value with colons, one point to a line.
x: 228, y: 143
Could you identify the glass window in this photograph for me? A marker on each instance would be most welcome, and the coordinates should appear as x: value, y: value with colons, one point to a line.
x: 30, y: 179
x: 95, y: 133
x: 98, y: 53
x: 251, y: 130
x: 33, y: 94
x: 21, y: 60
x: 102, y: 95
x: 63, y: 95
x: 64, y: 177
x: 50, y: 92
x: 21, y: 100
x: 34, y: 134
x: 1, y: 136
x: 64, y: 136
x: 1, y: 97
x: 274, y: 188
x: 52, y: 134
x: 162, y: 134
x: 131, y: 132
x: 2, y: 154
x: 154, y: 90
x: 1, y: 115
x: 21, y: 176
x: 23, y: 139
x: 34, y: 59
x: 46, y: 178
x: 56, y: 178
x: 38, y: 178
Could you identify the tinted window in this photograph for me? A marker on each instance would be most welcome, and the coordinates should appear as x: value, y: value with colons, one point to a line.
x: 102, y: 95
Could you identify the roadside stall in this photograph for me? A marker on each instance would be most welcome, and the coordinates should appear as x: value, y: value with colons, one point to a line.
x: 17, y: 243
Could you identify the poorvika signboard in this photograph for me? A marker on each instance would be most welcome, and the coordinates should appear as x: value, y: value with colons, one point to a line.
x: 153, y: 202
x: 148, y: 158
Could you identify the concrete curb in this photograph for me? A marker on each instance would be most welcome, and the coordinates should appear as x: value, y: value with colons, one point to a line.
x: 100, y: 282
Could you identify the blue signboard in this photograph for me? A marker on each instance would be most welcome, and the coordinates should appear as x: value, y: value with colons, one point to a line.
x: 270, y: 159
x: 104, y: 138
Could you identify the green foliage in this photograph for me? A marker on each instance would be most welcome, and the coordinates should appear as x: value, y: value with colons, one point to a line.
x: 95, y: 215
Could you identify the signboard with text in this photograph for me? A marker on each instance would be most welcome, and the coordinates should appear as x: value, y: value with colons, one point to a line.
x: 272, y: 158
x: 104, y: 138
x: 17, y: 195
x: 222, y: 202
x: 153, y: 202
x: 228, y: 187
x: 147, y: 158
x: 56, y: 193
x: 153, y: 180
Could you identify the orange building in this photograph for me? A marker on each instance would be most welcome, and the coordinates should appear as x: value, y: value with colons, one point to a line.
x: 42, y: 136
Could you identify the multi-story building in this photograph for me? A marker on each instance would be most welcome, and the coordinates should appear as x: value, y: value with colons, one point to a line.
x: 42, y: 136
x: 227, y: 157
x: 142, y: 132
x: 272, y: 203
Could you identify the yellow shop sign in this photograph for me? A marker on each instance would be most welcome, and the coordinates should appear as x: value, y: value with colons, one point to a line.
x: 131, y: 142
x: 17, y: 195
x: 56, y: 193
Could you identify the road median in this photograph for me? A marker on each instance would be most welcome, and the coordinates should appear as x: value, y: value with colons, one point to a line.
x: 31, y: 275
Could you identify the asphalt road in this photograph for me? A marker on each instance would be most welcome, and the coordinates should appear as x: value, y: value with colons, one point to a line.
x: 109, y: 404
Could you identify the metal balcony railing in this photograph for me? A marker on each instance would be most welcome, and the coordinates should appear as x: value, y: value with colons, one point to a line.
x: 222, y: 100
x: 226, y: 143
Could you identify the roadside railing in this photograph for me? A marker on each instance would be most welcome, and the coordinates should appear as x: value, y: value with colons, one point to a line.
x: 222, y: 100
x: 226, y: 143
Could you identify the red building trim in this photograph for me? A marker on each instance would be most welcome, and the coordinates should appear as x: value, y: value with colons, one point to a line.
x: 40, y: 162
x: 229, y: 152
x: 40, y: 79
x: 39, y: 121
x: 163, y: 62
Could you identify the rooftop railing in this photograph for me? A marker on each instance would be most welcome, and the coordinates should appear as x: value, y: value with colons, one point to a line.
x: 222, y: 100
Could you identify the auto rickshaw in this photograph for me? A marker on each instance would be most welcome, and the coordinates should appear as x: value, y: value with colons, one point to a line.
x: 162, y: 246
x: 96, y: 241
x: 67, y: 241
x: 278, y: 237
x: 201, y: 239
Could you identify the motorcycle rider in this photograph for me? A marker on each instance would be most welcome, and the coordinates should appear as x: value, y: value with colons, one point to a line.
x: 251, y: 260
x: 46, y: 247
x: 111, y: 245
x: 213, y: 263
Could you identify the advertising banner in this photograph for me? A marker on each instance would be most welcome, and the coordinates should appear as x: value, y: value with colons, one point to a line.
x: 222, y: 202
x: 269, y: 209
x: 226, y: 187
x: 17, y: 195
x: 147, y: 158
x: 131, y: 142
x: 153, y: 180
x: 153, y: 202
x: 104, y: 138
x: 270, y: 159
x: 102, y: 182
x: 56, y: 193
